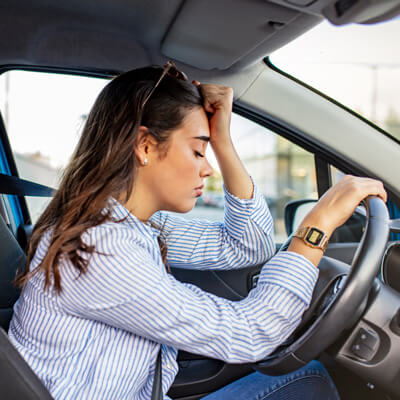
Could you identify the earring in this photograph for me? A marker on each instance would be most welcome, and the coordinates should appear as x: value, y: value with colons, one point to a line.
x: 145, y: 162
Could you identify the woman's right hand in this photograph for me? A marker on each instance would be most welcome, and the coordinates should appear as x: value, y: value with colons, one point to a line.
x: 334, y: 208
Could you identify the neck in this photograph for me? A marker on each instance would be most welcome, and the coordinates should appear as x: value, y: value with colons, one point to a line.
x: 140, y: 203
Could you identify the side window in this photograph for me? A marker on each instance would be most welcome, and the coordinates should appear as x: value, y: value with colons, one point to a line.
x: 282, y: 170
x: 43, y: 114
x: 336, y: 174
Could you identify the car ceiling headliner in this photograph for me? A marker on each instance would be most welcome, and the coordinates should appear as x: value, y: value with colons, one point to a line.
x: 214, y: 40
x: 220, y: 41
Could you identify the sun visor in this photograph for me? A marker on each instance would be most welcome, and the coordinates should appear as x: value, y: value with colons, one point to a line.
x: 341, y: 12
x: 212, y: 34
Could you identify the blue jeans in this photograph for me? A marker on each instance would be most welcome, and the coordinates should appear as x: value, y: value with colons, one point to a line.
x: 310, y: 382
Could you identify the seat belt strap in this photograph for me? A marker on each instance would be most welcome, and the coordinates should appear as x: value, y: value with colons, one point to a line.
x: 156, y: 393
x: 20, y: 187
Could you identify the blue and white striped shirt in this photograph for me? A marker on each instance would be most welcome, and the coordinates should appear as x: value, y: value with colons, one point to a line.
x: 100, y: 337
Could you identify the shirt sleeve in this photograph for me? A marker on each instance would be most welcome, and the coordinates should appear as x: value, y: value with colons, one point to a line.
x: 127, y: 289
x: 244, y: 238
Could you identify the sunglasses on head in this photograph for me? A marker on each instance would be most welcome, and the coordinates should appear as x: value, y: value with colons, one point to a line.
x: 171, y: 70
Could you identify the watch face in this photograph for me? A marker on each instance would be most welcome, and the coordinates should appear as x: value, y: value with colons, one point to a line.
x: 314, y: 236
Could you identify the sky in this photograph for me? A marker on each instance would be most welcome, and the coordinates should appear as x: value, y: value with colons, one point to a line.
x: 347, y: 63
x: 45, y: 112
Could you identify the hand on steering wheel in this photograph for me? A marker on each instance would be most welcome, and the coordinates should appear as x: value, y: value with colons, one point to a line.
x: 339, y: 297
x: 334, y: 208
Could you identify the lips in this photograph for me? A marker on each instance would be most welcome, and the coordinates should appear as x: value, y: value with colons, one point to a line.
x: 199, y: 190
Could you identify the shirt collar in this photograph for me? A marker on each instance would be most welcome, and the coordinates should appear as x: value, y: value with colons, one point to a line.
x: 121, y: 213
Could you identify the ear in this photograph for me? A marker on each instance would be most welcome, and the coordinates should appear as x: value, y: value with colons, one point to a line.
x: 145, y: 145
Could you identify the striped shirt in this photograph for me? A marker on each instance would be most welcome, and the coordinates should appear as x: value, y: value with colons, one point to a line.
x: 100, y: 337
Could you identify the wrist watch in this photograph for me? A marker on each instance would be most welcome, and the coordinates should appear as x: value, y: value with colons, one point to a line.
x: 313, y: 237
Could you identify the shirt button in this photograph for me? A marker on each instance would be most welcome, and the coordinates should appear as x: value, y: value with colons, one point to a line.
x: 169, y: 365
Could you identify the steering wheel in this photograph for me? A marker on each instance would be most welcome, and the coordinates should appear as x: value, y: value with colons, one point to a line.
x: 339, y: 297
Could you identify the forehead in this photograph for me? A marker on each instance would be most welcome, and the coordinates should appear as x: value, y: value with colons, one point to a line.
x: 194, y: 126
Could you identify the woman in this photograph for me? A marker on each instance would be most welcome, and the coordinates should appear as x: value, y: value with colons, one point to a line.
x: 98, y: 302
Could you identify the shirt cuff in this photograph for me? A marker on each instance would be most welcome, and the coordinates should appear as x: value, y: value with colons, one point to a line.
x: 291, y: 271
x: 238, y: 213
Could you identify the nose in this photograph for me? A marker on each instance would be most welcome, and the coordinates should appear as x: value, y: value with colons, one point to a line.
x: 207, y: 169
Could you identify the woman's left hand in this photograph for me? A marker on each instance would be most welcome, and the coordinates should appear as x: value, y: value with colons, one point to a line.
x: 218, y: 104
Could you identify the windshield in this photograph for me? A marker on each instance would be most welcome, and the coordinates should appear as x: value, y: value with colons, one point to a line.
x: 357, y: 65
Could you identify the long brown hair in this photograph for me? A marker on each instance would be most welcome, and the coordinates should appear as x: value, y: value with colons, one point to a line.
x: 104, y: 163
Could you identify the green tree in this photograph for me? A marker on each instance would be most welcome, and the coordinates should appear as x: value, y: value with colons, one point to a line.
x: 214, y: 183
x: 392, y: 123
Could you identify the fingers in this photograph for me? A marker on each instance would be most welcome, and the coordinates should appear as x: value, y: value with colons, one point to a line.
x: 364, y: 187
x: 376, y: 188
x: 340, y: 201
x: 215, y: 96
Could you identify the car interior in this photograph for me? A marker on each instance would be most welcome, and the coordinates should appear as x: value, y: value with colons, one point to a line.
x: 353, y: 323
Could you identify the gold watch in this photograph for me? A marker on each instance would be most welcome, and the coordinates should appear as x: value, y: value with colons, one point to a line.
x: 313, y: 237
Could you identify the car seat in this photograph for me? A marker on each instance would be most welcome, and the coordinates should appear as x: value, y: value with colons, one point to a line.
x: 17, y: 380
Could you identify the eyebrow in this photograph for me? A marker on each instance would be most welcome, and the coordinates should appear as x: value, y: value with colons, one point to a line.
x: 204, y: 138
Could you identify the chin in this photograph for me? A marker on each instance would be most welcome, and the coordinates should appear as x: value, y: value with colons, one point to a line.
x: 183, y: 208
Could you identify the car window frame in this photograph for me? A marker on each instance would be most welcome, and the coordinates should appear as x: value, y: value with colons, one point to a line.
x: 379, y: 129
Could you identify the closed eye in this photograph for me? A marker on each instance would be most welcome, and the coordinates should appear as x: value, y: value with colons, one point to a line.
x: 198, y: 154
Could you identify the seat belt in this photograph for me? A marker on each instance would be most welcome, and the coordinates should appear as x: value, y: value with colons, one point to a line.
x: 20, y: 187
x: 156, y: 393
